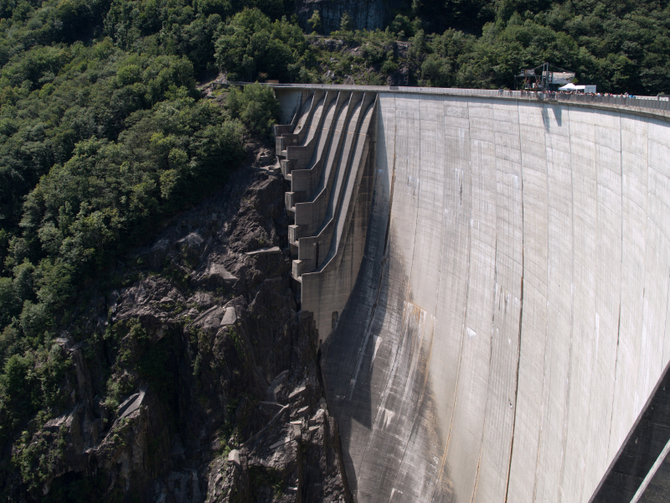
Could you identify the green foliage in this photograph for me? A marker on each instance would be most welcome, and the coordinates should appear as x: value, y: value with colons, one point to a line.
x: 29, y: 382
x: 109, y: 194
x: 89, y: 98
x: 10, y: 342
x: 99, y: 142
x: 10, y: 302
x: 141, y: 357
x: 38, y: 457
x: 252, y: 47
x: 402, y: 27
x: 601, y: 42
x: 345, y: 22
x: 16, y: 387
x: 35, y: 321
x: 256, y: 106
x: 618, y: 46
x: 314, y: 21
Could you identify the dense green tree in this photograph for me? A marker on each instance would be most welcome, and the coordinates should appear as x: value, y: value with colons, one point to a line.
x: 9, y: 301
x: 255, y: 106
x: 314, y: 21
x: 345, y: 22
x: 98, y: 143
x: 252, y: 47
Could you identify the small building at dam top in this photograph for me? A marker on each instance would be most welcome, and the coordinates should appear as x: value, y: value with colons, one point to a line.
x: 489, y: 273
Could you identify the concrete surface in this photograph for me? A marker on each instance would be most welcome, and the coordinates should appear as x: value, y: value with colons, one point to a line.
x: 508, y: 324
x: 331, y: 180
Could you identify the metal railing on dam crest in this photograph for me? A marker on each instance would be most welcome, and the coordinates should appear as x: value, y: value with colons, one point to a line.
x: 490, y: 276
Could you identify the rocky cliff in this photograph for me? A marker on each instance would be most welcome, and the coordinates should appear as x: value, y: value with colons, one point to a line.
x: 364, y: 15
x: 196, y: 381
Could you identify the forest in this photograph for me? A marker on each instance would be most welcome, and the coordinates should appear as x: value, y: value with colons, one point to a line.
x: 105, y: 134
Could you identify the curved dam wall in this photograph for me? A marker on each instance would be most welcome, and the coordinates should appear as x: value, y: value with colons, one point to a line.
x: 509, y: 321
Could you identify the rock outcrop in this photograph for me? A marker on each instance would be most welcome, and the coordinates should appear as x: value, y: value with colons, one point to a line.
x: 199, y: 380
x: 364, y: 15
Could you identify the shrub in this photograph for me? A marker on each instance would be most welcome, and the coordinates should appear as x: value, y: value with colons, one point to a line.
x: 256, y: 106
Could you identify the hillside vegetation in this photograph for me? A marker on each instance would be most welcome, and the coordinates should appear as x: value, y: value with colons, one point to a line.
x: 104, y: 135
x: 619, y: 46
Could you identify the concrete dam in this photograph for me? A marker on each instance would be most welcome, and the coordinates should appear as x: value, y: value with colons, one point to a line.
x: 490, y: 276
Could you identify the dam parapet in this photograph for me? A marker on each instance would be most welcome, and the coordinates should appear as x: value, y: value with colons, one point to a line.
x: 326, y: 153
x: 658, y: 106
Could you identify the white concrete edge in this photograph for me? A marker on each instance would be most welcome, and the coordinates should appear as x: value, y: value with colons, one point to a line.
x: 637, y: 105
x: 652, y: 472
x: 631, y: 432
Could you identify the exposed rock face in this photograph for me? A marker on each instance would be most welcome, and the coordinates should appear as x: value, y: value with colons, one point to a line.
x: 205, y: 385
x: 364, y: 14
x: 293, y: 458
x: 400, y: 77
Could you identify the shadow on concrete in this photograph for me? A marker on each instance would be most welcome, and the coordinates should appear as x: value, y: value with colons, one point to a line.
x: 347, y: 354
x: 388, y: 444
x: 556, y: 111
